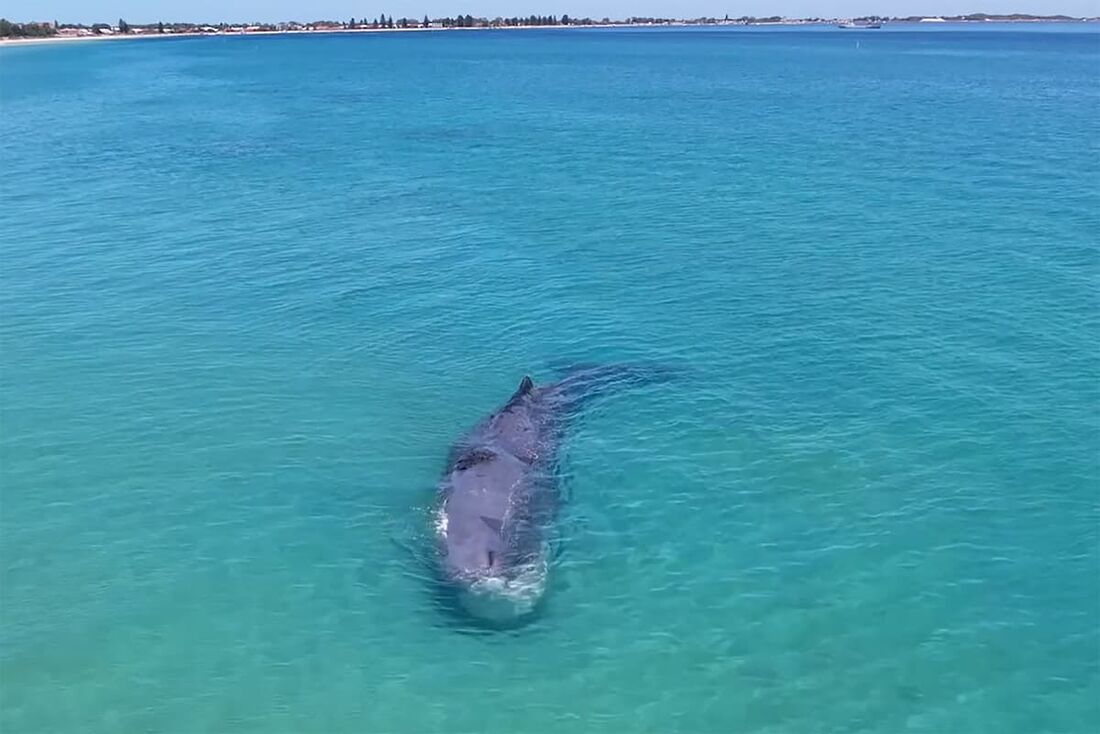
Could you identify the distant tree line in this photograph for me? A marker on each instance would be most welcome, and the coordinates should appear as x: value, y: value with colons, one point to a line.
x: 26, y: 30
x: 990, y: 17
x: 468, y: 21
x: 465, y: 21
x: 9, y: 29
x: 751, y: 20
x: 384, y: 21
x: 381, y: 22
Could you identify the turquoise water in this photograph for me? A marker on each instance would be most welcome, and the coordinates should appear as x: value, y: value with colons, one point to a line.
x: 252, y: 288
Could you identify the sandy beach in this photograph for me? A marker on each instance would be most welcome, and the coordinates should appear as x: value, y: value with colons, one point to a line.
x: 134, y: 36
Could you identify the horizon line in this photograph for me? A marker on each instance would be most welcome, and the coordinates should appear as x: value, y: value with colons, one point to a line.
x: 353, y: 24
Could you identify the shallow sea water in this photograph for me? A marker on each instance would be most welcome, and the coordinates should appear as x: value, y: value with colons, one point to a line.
x: 252, y: 288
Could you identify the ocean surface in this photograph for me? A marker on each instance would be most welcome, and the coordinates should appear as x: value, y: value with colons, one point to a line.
x: 252, y: 288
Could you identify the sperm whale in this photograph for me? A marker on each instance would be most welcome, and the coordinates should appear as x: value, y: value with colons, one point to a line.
x: 499, y: 495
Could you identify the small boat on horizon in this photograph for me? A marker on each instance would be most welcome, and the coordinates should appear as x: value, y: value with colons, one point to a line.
x: 854, y: 26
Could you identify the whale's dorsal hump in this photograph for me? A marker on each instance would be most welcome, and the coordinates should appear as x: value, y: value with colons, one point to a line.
x: 525, y: 387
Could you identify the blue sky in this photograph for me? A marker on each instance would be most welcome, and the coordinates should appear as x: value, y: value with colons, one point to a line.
x: 141, y: 11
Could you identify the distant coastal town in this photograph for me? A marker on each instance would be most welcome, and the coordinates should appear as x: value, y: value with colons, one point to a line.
x: 44, y: 30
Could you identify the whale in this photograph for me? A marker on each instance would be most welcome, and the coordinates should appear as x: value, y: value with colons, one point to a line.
x: 500, y: 494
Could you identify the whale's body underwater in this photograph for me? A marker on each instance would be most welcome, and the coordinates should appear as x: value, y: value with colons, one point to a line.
x: 499, y: 495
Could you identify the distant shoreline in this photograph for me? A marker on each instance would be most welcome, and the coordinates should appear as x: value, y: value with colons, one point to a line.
x: 221, y: 34
x: 21, y: 41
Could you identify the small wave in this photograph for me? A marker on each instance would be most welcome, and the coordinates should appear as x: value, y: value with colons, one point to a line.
x: 503, y: 598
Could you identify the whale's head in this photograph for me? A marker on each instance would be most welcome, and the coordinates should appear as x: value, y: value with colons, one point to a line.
x: 486, y: 553
x: 471, y: 546
x: 487, y: 577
